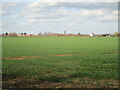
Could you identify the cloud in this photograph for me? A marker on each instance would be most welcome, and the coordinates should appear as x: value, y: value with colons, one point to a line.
x: 89, y: 12
x: 61, y: 0
x: 4, y: 13
x: 108, y: 18
x: 55, y: 9
x: 66, y: 14
x: 57, y: 15
x: 9, y: 5
x: 115, y: 12
x: 86, y: 5
x: 113, y: 16
x: 42, y: 4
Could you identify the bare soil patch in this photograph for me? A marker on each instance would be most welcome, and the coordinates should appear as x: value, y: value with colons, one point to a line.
x: 25, y: 57
x: 64, y: 54
x: 19, y: 57
x: 70, y: 54
x: 21, y: 82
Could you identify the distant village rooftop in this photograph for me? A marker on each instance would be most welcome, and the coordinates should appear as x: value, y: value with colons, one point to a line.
x: 58, y: 34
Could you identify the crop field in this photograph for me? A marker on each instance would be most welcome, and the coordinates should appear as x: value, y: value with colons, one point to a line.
x: 60, y: 62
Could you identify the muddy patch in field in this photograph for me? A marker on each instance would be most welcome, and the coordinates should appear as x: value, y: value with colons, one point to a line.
x: 22, y: 82
x: 19, y: 57
x: 64, y: 54
x: 69, y: 54
x: 28, y: 57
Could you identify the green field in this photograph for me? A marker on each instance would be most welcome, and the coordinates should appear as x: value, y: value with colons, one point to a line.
x: 60, y: 62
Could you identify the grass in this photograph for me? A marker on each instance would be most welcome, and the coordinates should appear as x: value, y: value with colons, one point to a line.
x: 78, y: 60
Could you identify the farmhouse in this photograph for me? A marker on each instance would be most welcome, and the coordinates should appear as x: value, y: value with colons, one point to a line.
x: 108, y: 35
x: 25, y: 35
x: 92, y: 34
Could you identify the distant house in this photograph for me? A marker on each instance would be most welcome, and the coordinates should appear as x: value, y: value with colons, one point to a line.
x: 92, y: 34
x: 107, y: 35
x: 19, y: 35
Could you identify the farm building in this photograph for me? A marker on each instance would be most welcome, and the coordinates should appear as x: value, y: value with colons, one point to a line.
x: 108, y: 35
x: 92, y: 34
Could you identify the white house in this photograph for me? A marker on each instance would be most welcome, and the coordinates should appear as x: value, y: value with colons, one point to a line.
x: 92, y: 34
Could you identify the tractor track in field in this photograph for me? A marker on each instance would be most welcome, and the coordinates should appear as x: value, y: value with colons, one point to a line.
x: 67, y: 54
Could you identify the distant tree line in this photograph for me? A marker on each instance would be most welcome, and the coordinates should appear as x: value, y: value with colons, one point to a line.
x: 116, y: 34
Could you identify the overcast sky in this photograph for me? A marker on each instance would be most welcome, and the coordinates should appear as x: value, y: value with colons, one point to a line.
x: 74, y: 17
